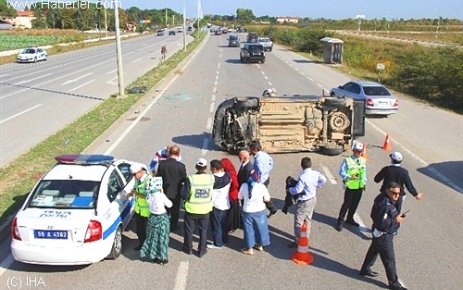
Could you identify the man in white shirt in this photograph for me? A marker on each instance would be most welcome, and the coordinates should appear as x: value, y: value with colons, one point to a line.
x: 306, y: 187
x: 221, y: 205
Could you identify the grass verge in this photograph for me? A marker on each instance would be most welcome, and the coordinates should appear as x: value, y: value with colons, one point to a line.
x: 18, y: 177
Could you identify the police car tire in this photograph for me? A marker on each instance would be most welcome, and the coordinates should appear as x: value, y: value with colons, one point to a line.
x: 115, y: 252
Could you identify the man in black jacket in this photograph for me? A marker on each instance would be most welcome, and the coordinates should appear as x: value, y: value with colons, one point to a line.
x: 245, y: 168
x: 396, y: 173
x: 386, y: 222
x: 173, y: 175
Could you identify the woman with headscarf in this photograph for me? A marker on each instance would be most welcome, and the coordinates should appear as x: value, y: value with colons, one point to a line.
x: 156, y: 244
x: 255, y: 224
x: 234, y: 214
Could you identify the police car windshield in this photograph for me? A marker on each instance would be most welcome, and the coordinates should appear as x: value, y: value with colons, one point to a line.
x: 29, y: 50
x: 64, y: 194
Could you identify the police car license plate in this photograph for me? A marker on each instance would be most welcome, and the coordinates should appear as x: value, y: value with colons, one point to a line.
x: 59, y: 235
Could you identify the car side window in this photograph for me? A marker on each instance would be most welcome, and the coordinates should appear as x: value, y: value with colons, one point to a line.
x: 124, y: 168
x: 115, y: 185
x: 347, y: 87
x: 355, y: 89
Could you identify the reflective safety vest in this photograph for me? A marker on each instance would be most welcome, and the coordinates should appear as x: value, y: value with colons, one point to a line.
x: 355, y: 167
x: 202, y: 187
x: 141, y: 205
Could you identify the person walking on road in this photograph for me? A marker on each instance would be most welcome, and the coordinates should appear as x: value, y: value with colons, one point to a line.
x: 197, y: 192
x: 234, y: 214
x: 255, y: 223
x: 263, y: 165
x: 306, y: 188
x: 395, y: 172
x: 141, y: 207
x: 156, y: 244
x: 386, y: 221
x: 354, y: 175
x: 221, y: 205
x: 173, y: 175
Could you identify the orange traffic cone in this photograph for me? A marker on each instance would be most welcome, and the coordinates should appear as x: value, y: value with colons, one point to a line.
x: 302, y: 255
x: 364, y: 152
x: 387, y: 143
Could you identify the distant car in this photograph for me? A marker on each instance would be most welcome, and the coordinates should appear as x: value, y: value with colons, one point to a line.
x: 224, y: 30
x: 233, y: 41
x: 252, y: 52
x: 218, y: 32
x: 180, y: 29
x: 32, y: 54
x: 266, y: 42
x: 160, y: 32
x: 212, y: 30
x: 252, y: 37
x: 172, y: 32
x: 76, y: 213
x: 190, y: 28
x: 378, y: 99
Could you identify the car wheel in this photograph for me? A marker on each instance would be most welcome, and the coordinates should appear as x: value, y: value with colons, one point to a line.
x: 332, y: 151
x: 263, y: 61
x: 335, y: 102
x: 116, y: 249
x: 35, y: 59
x: 247, y: 103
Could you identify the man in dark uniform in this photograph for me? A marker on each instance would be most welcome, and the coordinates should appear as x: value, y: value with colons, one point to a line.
x: 386, y: 221
x: 396, y: 173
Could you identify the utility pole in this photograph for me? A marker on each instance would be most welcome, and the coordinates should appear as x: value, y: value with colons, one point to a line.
x: 120, y: 73
x: 173, y: 20
x: 184, y: 26
x: 105, y: 22
x: 437, y: 29
x: 166, y: 18
x: 197, y: 15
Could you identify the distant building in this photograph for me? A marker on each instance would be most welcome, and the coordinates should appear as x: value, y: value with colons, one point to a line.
x: 287, y: 19
x: 23, y: 19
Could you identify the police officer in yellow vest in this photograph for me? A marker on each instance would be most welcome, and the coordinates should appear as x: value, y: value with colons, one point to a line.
x: 141, y: 208
x: 197, y: 193
x: 354, y: 175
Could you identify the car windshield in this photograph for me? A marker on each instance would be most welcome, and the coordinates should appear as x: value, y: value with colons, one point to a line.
x: 64, y: 194
x: 264, y: 40
x: 233, y: 37
x: 29, y: 50
x: 256, y: 48
x: 376, y: 91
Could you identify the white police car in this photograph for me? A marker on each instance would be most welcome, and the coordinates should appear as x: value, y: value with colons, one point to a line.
x: 32, y: 54
x: 76, y: 213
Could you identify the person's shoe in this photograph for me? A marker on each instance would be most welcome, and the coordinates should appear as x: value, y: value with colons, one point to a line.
x: 156, y: 260
x: 272, y: 213
x: 247, y: 251
x: 368, y: 273
x: 138, y: 248
x: 258, y: 247
x: 187, y: 251
x: 200, y: 255
x: 352, y: 223
x: 398, y: 287
x: 292, y: 245
x: 214, y: 247
x: 163, y: 262
x: 339, y: 225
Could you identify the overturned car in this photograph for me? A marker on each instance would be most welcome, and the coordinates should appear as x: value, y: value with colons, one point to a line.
x: 289, y: 123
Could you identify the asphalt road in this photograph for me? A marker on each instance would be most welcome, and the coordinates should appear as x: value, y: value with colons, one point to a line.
x: 74, y: 82
x: 428, y: 246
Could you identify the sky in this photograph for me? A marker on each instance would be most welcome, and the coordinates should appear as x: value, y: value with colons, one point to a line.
x: 331, y: 9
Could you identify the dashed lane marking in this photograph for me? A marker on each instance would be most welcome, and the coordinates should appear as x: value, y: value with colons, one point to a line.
x: 82, y: 85
x: 211, y: 108
x: 182, y: 274
x: 329, y: 175
x: 20, y: 113
x: 209, y: 124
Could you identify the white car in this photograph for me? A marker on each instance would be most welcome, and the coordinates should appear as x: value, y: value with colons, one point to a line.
x: 180, y: 29
x: 76, y: 213
x: 32, y: 54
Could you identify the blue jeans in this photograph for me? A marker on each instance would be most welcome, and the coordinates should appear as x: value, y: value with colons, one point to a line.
x: 219, y: 224
x: 255, y: 229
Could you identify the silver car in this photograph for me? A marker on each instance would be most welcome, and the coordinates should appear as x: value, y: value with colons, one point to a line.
x: 378, y: 99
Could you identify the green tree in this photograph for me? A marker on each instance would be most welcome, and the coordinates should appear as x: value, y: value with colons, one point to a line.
x: 244, y: 16
x: 6, y: 10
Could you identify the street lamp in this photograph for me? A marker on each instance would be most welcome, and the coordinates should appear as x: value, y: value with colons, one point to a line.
x: 184, y: 26
x: 120, y: 74
x: 437, y: 28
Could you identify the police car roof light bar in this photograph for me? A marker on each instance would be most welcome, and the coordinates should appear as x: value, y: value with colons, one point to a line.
x: 84, y: 159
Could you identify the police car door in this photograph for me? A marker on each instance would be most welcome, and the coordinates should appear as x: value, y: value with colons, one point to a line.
x: 119, y: 206
x: 126, y: 205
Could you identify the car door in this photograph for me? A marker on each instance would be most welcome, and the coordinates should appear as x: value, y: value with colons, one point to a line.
x: 123, y: 168
x: 120, y: 206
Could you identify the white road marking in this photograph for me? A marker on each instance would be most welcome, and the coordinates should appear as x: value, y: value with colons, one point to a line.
x: 265, y: 77
x: 113, y: 71
x: 145, y: 111
x: 310, y: 79
x: 204, y: 149
x: 76, y: 79
x: 20, y: 113
x: 209, y: 123
x: 82, y: 85
x: 182, y: 274
x: 30, y: 80
x: 211, y: 108
x: 320, y: 86
x: 213, y: 98
x: 329, y: 175
x: 218, y: 65
x: 137, y: 60
x: 1, y: 76
x: 6, y: 263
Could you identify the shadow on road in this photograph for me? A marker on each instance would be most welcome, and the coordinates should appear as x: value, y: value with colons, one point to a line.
x: 332, y: 221
x: 199, y: 141
x: 232, y: 60
x: 306, y: 61
x: 440, y: 171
